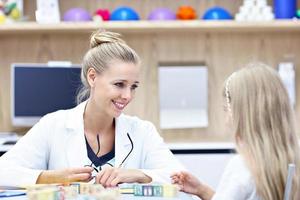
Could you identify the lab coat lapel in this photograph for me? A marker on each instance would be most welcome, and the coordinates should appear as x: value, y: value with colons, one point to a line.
x: 76, y: 150
x: 122, y: 142
x: 75, y: 144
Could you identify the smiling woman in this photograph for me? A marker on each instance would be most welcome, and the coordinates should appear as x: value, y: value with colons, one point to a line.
x: 94, y: 140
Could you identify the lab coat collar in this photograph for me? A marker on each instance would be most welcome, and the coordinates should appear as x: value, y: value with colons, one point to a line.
x: 76, y: 147
x: 122, y: 142
x: 75, y: 117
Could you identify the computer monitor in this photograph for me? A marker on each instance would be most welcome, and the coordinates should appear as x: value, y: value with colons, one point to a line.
x: 37, y: 89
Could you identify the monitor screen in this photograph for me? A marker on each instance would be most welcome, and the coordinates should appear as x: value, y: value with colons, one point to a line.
x: 38, y: 89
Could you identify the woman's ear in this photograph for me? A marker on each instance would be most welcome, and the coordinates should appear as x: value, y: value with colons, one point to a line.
x: 91, y: 76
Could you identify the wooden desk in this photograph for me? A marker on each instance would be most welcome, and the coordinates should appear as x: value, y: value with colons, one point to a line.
x: 181, y: 196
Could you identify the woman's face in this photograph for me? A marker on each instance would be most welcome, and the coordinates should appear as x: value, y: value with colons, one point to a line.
x: 113, y: 89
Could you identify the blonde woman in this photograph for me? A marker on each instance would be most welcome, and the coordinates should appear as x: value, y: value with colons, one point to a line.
x: 262, y: 119
x: 94, y: 139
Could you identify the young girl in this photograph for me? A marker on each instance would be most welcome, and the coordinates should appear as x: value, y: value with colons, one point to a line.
x: 260, y: 114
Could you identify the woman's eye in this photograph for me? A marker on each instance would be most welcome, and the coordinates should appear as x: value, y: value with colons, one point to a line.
x: 120, y: 85
x: 133, y: 87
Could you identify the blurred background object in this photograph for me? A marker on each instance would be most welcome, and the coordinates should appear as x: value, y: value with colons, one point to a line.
x: 255, y: 10
x: 47, y: 11
x: 162, y: 14
x: 186, y: 13
x: 124, y: 14
x: 77, y: 14
x: 285, y: 9
x: 103, y: 13
x: 10, y: 11
x: 298, y: 14
x: 217, y: 13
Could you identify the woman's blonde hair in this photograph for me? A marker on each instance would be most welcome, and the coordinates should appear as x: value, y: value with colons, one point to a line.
x: 105, y: 49
x: 264, y: 126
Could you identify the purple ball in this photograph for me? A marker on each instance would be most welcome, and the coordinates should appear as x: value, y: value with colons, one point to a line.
x: 162, y: 14
x: 77, y: 14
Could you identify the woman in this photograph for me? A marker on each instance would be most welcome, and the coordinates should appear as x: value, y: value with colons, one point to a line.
x: 73, y: 145
x: 260, y: 114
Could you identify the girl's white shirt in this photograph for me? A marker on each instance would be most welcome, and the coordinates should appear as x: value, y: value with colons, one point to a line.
x: 236, y: 183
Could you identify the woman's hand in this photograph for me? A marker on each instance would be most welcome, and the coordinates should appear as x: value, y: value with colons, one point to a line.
x: 68, y: 175
x: 111, y: 176
x: 190, y: 184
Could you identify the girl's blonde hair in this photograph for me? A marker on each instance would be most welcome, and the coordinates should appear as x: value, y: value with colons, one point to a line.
x: 264, y: 126
x: 105, y: 49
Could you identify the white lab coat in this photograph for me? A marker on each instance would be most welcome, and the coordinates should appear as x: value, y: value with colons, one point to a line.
x: 57, y: 141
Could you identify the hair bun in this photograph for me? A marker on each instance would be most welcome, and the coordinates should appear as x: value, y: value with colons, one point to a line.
x: 100, y: 37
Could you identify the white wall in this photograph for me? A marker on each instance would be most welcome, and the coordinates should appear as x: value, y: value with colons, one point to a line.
x: 208, y: 166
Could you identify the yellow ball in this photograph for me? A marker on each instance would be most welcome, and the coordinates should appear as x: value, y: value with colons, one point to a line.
x: 15, y: 14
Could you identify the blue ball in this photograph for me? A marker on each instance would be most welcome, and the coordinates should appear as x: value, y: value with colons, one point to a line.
x: 216, y: 13
x: 124, y: 14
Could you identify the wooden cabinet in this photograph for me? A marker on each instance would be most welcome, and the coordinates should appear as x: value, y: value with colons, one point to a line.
x: 222, y: 46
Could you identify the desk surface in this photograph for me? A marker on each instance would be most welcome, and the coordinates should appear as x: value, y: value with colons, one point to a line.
x: 181, y: 196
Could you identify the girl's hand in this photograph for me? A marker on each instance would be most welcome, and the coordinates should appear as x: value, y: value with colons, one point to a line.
x: 190, y: 184
x: 186, y: 182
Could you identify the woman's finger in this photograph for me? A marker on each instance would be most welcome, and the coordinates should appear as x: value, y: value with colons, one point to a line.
x: 115, y: 181
x: 79, y: 170
x: 113, y: 175
x: 99, y: 176
x: 79, y: 177
x: 105, y: 176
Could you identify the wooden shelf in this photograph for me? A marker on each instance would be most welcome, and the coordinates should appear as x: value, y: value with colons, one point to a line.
x: 149, y: 26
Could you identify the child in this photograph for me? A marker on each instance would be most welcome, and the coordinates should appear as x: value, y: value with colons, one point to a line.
x: 260, y: 114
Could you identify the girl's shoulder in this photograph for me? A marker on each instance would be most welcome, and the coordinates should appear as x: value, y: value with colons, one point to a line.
x: 236, y: 182
x: 237, y: 167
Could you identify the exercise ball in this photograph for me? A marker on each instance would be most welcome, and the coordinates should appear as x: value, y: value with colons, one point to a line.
x: 216, y: 13
x: 124, y: 14
x: 162, y: 14
x: 103, y: 13
x: 77, y: 14
x: 186, y: 13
